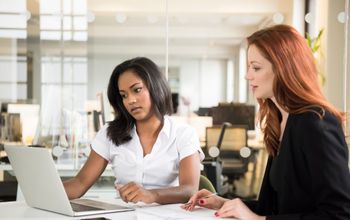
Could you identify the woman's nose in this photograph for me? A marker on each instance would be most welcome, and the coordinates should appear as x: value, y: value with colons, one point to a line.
x: 131, y: 100
x: 246, y: 76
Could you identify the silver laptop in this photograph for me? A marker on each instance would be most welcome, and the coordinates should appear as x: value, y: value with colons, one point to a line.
x: 42, y: 187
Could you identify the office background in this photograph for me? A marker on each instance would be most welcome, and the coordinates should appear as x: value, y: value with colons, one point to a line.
x: 57, y: 56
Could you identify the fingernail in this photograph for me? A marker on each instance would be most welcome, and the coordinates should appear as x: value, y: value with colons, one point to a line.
x: 201, y: 201
x: 216, y: 214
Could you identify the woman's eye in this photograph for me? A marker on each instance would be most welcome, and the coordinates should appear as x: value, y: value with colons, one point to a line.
x: 123, y: 96
x: 256, y: 68
x: 138, y: 90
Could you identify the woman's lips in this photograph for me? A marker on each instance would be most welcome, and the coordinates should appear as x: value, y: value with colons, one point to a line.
x: 254, y: 87
x: 135, y: 110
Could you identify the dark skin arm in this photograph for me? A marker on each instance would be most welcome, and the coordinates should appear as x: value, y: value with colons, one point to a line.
x: 87, y: 176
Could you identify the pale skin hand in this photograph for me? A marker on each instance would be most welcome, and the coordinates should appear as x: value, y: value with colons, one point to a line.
x: 189, y: 173
x: 199, y: 199
x: 226, y: 208
x: 237, y: 209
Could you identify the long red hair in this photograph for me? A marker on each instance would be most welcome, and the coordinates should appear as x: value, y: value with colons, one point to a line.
x: 296, y: 87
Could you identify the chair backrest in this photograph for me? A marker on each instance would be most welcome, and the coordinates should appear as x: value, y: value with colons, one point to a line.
x: 230, y: 163
x: 204, y: 183
x: 234, y: 137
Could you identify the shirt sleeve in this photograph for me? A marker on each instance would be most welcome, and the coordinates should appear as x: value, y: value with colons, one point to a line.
x: 101, y: 144
x: 187, y: 142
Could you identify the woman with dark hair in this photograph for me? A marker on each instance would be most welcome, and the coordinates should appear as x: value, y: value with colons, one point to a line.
x: 154, y: 158
x: 307, y: 174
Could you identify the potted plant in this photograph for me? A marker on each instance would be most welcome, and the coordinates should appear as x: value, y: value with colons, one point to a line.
x: 315, y: 45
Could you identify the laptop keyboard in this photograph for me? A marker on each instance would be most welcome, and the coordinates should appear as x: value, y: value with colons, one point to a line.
x: 82, y: 208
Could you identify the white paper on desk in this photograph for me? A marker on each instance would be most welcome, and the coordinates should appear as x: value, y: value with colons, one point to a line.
x: 140, y: 205
x: 174, y: 211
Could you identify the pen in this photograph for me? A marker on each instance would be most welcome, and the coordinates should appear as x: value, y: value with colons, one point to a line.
x: 205, y: 197
x: 210, y: 195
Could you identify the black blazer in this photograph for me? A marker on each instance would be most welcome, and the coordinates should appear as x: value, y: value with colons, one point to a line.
x: 309, y: 179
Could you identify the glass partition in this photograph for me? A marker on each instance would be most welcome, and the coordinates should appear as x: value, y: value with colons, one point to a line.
x: 207, y: 60
x: 207, y: 50
x: 60, y: 53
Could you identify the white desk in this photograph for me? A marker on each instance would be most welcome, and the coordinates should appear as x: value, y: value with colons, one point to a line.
x: 20, y: 210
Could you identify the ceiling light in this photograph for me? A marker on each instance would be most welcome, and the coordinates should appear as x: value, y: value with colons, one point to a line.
x: 182, y: 19
x: 28, y: 15
x: 215, y: 20
x: 341, y: 17
x: 152, y: 19
x: 120, y: 18
x: 90, y: 16
x: 308, y: 18
x: 278, y: 18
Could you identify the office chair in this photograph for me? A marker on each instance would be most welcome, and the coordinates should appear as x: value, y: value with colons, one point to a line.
x: 233, y: 154
x: 204, y: 183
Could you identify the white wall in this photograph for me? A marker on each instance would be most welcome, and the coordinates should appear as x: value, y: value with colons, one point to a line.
x: 334, y: 55
x: 9, y: 73
x: 298, y: 15
x: 100, y: 68
x: 99, y: 71
x: 213, y: 82
x: 203, y: 81
x: 189, y: 84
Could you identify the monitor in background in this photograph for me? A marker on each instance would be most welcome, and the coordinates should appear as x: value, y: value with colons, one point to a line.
x: 204, y: 111
x: 105, y: 107
x: 175, y: 100
x: 235, y: 113
x: 24, y: 117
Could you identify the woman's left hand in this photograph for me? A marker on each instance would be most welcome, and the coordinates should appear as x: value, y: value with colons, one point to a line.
x: 237, y: 209
x: 133, y: 192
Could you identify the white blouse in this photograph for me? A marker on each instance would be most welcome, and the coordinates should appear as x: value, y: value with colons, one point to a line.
x: 159, y: 168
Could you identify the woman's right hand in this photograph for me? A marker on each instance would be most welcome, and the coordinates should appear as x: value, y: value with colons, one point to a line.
x: 204, y: 198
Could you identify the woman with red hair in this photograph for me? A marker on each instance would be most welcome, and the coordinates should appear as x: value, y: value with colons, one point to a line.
x: 307, y: 174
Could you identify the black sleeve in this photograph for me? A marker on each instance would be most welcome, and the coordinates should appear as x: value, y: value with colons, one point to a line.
x: 252, y: 204
x: 325, y: 155
x: 262, y: 206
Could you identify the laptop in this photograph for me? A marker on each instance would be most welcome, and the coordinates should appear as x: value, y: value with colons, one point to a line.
x: 42, y: 187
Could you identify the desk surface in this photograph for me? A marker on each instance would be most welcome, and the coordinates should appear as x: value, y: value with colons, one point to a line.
x: 20, y: 210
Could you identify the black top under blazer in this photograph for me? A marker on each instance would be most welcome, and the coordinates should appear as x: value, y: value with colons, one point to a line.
x: 309, y: 178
